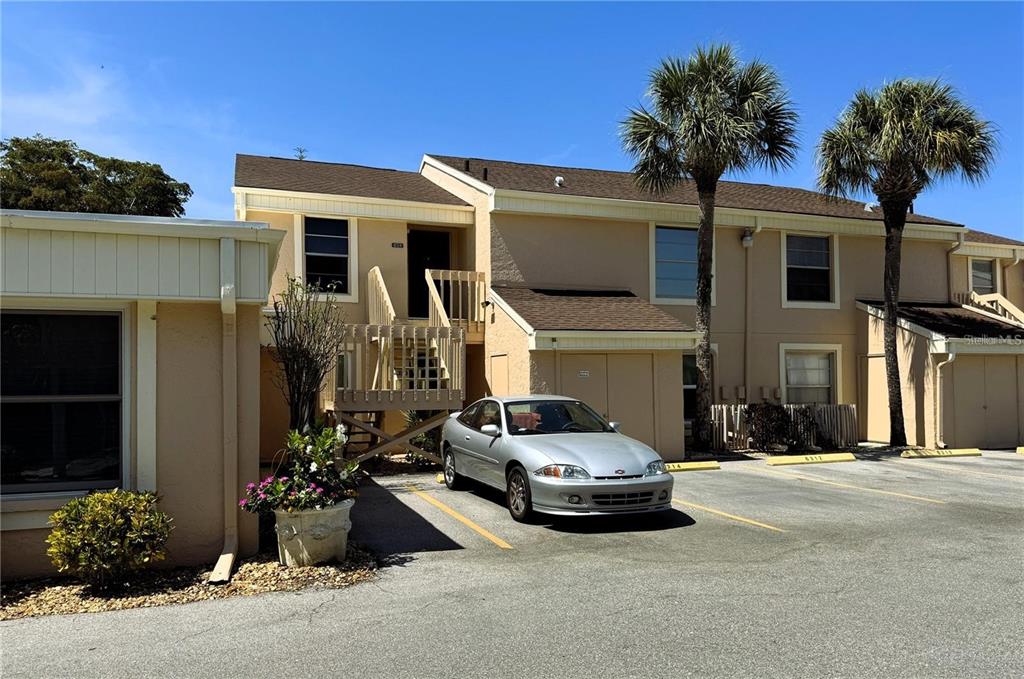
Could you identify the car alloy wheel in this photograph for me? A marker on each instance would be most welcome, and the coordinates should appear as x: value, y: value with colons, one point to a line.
x: 520, y: 504
x: 452, y: 479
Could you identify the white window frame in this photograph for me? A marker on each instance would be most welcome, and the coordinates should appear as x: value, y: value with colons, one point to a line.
x: 299, y: 234
x: 833, y: 246
x: 997, y: 278
x: 653, y: 264
x: 26, y: 511
x: 837, y: 366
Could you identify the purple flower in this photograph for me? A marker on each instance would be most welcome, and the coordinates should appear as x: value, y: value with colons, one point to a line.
x: 250, y: 486
x: 319, y: 490
x: 263, y: 496
x: 243, y: 502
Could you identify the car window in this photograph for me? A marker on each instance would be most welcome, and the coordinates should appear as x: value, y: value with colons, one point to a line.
x: 489, y: 413
x: 553, y: 417
x: 469, y: 414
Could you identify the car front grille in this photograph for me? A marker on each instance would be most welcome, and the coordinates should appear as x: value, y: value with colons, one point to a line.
x: 622, y: 499
x: 619, y: 476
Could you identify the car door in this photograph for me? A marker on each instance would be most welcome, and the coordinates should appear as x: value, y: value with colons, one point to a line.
x: 484, y: 450
x: 459, y: 438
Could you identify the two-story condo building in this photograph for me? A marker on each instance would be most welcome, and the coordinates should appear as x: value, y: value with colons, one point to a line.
x: 474, y: 277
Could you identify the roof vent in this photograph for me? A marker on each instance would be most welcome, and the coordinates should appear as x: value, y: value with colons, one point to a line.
x: 559, y: 181
x: 485, y: 174
x: 467, y: 164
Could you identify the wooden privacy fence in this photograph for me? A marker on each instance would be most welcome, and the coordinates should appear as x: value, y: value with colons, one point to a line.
x: 834, y: 425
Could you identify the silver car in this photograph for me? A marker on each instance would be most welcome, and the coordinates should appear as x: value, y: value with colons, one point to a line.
x: 554, y: 455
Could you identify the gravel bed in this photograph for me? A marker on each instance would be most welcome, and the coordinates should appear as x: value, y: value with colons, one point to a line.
x: 257, y: 575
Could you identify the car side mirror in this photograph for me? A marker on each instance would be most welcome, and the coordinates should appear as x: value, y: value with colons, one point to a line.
x: 614, y: 425
x: 491, y: 430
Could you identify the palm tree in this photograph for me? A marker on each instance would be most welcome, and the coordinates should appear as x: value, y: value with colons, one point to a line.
x: 895, y: 143
x: 709, y: 114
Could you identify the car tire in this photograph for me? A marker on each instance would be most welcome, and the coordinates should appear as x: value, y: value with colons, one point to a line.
x: 517, y: 494
x: 452, y: 479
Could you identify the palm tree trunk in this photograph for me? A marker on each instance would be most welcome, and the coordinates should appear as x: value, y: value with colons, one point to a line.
x: 705, y: 246
x: 895, y: 215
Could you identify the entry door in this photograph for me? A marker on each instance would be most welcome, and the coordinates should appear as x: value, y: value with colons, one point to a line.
x: 585, y: 376
x: 1002, y: 394
x: 987, y: 397
x: 427, y: 250
x: 631, y: 394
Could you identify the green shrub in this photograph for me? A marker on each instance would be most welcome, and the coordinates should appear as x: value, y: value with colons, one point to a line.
x: 104, y: 536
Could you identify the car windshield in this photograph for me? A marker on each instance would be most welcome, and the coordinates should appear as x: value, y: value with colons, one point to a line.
x: 553, y: 417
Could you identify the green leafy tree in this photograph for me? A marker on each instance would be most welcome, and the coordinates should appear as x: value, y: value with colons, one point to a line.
x: 709, y: 114
x: 38, y: 173
x: 895, y: 143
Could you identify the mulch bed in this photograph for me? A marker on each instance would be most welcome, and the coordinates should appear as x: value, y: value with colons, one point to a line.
x: 257, y: 575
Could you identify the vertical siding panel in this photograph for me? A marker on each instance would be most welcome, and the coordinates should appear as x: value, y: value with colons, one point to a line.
x: 209, y: 268
x: 169, y: 267
x: 188, y: 267
x: 39, y: 261
x: 127, y: 265
x: 85, y: 263
x: 15, y: 261
x: 248, y: 270
x: 264, y: 286
x: 106, y: 263
x: 62, y: 261
x: 149, y: 266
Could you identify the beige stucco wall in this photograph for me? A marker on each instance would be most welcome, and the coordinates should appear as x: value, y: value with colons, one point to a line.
x: 478, y: 236
x: 917, y: 377
x: 503, y: 337
x: 190, y: 468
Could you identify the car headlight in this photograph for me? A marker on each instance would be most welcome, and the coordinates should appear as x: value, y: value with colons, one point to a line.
x: 655, y: 468
x: 563, y: 471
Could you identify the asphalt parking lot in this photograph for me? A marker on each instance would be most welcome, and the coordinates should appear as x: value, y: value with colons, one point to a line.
x: 880, y: 567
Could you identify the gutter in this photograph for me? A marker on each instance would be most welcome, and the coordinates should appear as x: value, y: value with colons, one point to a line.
x: 939, y: 438
x: 229, y: 411
x: 949, y: 263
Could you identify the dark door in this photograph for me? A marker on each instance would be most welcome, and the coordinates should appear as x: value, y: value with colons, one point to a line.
x: 427, y: 250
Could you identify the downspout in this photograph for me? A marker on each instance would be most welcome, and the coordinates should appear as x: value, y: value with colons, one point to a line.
x: 949, y: 264
x: 747, y: 240
x: 939, y: 438
x: 229, y: 411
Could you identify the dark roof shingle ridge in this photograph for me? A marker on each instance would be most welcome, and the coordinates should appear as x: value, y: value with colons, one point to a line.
x: 998, y: 238
x: 853, y: 202
x: 326, y: 162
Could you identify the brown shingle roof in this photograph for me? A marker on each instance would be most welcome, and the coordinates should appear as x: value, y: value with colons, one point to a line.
x: 311, y: 176
x: 973, y: 236
x: 620, y: 185
x: 600, y: 310
x: 951, y: 320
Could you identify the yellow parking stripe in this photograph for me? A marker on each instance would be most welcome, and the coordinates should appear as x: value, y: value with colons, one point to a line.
x: 802, y: 477
x: 459, y: 517
x: 727, y: 515
x: 961, y: 470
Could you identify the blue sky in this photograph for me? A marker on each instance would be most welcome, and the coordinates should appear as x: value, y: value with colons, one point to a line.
x: 189, y: 85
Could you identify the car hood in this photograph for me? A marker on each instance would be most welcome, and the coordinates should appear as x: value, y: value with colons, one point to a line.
x: 601, y: 454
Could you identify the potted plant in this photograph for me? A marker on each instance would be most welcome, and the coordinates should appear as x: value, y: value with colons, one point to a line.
x: 311, y: 496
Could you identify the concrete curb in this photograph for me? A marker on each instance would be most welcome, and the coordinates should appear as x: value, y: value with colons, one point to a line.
x: 949, y: 452
x: 820, y: 458
x: 691, y: 466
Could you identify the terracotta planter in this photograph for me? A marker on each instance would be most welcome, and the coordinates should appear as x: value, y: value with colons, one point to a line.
x: 313, y: 536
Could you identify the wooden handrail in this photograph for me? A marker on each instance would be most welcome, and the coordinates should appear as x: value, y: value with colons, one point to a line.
x: 380, y: 310
x: 437, y: 316
x: 460, y: 294
x: 385, y: 352
x: 993, y: 302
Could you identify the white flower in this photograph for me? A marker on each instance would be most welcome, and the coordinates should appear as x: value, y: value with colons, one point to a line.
x: 312, y: 466
x: 309, y: 449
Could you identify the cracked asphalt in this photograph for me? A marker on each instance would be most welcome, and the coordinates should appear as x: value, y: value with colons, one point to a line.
x: 879, y: 568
